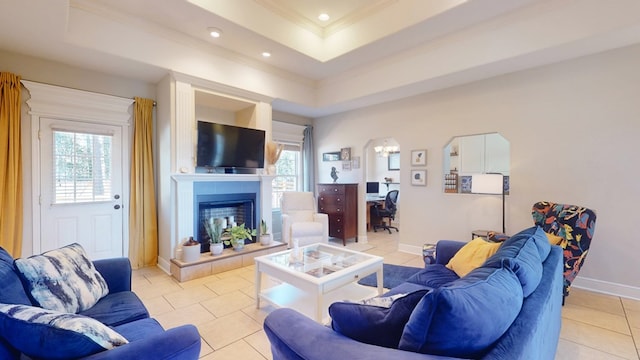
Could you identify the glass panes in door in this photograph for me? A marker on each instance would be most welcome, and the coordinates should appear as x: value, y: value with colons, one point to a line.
x: 82, y: 167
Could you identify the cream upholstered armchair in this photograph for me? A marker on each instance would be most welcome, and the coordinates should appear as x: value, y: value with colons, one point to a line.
x: 300, y: 219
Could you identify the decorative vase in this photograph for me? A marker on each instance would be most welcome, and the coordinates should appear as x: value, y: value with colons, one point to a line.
x: 265, y: 239
x: 216, y: 249
x: 190, y: 253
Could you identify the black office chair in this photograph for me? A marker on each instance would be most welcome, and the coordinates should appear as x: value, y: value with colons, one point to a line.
x: 388, y: 212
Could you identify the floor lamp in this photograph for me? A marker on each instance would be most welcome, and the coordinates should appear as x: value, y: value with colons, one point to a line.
x: 491, y: 184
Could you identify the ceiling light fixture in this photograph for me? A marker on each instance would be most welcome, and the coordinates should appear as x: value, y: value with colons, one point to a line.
x: 215, y: 32
x: 266, y: 54
x: 323, y: 17
x: 385, y: 149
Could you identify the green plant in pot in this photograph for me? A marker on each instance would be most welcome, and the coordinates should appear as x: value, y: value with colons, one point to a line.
x: 238, y: 234
x: 265, y: 236
x: 214, y: 230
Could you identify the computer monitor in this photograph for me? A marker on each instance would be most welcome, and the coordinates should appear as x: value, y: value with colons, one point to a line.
x: 373, y: 187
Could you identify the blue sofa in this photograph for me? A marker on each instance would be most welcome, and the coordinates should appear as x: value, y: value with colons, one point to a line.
x: 453, y: 316
x: 121, y: 310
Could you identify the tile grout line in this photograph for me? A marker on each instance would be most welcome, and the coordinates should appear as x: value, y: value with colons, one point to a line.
x: 626, y: 317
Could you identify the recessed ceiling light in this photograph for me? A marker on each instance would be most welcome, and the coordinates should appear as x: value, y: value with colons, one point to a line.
x: 266, y: 54
x: 323, y: 17
x: 215, y: 32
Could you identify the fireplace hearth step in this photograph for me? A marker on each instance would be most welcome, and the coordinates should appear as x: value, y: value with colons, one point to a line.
x: 228, y: 260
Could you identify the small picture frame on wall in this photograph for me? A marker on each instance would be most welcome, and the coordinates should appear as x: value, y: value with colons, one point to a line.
x: 345, y: 154
x: 419, y: 177
x: 418, y: 157
x: 346, y: 166
x: 355, y: 162
x: 331, y: 156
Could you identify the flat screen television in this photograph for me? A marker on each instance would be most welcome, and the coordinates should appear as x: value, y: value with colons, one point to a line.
x: 229, y: 147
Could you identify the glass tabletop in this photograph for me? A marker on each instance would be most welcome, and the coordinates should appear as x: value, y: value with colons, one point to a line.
x: 318, y: 260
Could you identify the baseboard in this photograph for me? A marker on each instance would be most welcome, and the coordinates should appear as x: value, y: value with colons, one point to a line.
x: 411, y: 249
x: 606, y: 287
x: 164, y: 265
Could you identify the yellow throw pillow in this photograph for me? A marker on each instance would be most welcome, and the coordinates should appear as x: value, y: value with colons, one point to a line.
x: 472, y: 255
x: 554, y: 239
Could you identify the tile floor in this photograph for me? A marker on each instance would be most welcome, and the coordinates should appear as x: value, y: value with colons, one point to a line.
x: 222, y: 306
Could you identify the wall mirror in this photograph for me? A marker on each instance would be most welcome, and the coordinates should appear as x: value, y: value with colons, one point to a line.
x: 474, y: 154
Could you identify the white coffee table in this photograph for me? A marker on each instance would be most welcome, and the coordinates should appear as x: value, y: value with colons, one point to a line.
x: 324, y: 274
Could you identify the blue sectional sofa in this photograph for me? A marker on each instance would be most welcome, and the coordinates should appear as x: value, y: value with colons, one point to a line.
x: 121, y: 310
x: 508, y: 308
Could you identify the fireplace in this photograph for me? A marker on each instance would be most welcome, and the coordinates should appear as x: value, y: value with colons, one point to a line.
x: 230, y: 208
x: 224, y: 199
x: 185, y: 189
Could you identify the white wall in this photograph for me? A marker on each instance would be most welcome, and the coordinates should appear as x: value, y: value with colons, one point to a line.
x: 573, y: 127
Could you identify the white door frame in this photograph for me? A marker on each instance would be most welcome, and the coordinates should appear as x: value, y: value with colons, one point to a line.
x: 71, y: 104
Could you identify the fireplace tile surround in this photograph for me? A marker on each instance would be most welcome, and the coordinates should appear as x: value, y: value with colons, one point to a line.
x: 185, y: 188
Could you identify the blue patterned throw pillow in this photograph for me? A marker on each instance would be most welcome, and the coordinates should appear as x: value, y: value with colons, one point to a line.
x: 46, y: 334
x: 63, y: 279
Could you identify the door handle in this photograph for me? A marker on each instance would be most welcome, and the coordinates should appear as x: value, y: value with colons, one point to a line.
x: 116, y: 206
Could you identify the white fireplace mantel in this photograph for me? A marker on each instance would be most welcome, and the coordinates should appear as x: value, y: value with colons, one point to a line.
x: 182, y: 203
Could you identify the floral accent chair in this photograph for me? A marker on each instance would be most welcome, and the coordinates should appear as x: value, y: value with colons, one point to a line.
x: 575, y: 225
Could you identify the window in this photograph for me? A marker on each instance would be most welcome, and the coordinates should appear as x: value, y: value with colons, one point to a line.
x: 288, y: 173
x: 82, y: 171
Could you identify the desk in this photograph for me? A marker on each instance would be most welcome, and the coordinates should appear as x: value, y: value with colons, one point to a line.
x: 371, y: 200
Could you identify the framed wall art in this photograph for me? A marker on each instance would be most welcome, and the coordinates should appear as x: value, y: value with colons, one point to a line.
x: 331, y: 156
x: 355, y: 162
x: 345, y: 154
x: 418, y: 157
x: 419, y: 177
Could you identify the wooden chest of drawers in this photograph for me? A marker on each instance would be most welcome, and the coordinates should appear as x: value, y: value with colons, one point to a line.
x: 340, y: 202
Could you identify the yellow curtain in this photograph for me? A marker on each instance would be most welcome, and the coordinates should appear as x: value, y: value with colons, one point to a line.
x: 143, y: 223
x: 10, y: 165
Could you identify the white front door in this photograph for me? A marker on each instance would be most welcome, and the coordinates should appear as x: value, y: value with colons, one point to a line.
x: 81, y: 187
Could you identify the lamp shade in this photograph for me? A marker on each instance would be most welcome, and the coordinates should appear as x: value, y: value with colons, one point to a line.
x: 487, y: 183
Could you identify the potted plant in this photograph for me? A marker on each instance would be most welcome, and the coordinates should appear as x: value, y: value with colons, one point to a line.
x: 237, y: 234
x: 265, y: 236
x: 214, y: 230
x: 190, y: 250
